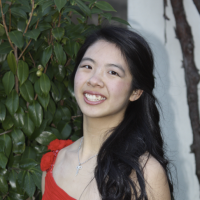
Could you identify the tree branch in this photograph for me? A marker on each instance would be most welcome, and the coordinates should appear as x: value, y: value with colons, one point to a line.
x: 28, y: 42
x: 4, y: 24
x: 5, y: 132
x: 184, y: 35
x: 197, y: 4
x: 30, y: 17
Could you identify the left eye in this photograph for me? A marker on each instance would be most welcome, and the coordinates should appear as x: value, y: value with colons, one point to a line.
x: 113, y: 73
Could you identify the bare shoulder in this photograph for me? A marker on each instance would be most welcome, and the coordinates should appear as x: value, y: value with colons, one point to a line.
x: 68, y: 150
x: 43, y: 181
x: 156, y: 178
x: 61, y: 155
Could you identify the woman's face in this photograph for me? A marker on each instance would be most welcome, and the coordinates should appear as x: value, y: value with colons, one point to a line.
x: 102, y: 82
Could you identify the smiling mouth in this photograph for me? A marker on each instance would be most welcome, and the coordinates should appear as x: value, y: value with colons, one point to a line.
x: 91, y: 97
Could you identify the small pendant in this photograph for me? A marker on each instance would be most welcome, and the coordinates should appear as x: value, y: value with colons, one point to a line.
x: 78, y: 168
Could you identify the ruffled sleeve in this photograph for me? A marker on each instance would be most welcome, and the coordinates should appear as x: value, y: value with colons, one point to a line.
x: 48, y: 158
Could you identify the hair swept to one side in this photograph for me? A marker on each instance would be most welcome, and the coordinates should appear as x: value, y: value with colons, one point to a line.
x: 139, y: 131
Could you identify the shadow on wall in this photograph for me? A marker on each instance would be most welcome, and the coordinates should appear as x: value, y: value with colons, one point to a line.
x: 167, y: 114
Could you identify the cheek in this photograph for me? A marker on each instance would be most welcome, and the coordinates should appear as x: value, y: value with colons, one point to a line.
x: 120, y: 89
x: 78, y: 80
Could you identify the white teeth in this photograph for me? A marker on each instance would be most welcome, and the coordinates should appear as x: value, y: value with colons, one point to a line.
x: 94, y: 97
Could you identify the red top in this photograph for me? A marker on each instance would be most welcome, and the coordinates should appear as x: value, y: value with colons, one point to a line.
x: 52, y: 190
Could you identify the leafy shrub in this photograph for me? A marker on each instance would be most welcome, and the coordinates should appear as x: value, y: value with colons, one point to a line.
x: 38, y: 45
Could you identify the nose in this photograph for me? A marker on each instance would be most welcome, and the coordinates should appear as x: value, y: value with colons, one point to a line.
x: 96, y: 80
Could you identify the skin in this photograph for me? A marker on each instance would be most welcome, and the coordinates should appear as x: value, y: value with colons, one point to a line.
x: 99, y: 72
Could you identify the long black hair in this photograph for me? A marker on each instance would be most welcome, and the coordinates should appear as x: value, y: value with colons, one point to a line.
x: 139, y: 131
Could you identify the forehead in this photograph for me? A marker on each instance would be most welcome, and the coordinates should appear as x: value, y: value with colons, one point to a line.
x: 105, y: 51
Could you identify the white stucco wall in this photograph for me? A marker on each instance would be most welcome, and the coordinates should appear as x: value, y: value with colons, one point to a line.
x: 147, y: 18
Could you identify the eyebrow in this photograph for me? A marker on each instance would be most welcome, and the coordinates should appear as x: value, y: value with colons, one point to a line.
x: 112, y: 65
x: 89, y: 59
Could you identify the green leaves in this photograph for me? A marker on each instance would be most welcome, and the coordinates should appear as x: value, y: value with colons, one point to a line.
x: 18, y: 12
x: 65, y: 131
x: 104, y: 6
x: 3, y: 160
x: 27, y: 91
x: 29, y: 185
x: 60, y: 54
x: 35, y: 113
x: 60, y: 4
x: 29, y: 126
x: 22, y: 71
x: 37, y: 177
x: 17, y: 38
x: 8, y: 82
x: 18, y: 141
x: 44, y: 100
x: 45, y: 84
x: 7, y: 123
x: 46, y: 55
x: 2, y: 112
x: 83, y: 7
x: 19, y: 118
x: 61, y: 72
x: 6, y: 140
x: 12, y: 62
x: 12, y: 102
x: 46, y: 4
x: 27, y: 163
x: 58, y: 33
x: 3, y: 185
x: 5, y: 48
x: 45, y: 137
x: 33, y: 34
x: 120, y: 20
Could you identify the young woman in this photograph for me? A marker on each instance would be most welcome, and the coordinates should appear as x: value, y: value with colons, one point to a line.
x: 120, y: 156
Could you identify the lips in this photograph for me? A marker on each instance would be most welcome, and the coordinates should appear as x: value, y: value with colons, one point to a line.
x: 93, y: 100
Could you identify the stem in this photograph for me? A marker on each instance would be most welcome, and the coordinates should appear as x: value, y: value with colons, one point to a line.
x: 25, y: 48
x: 59, y: 19
x: 31, y: 58
x: 73, y: 117
x: 70, y: 14
x: 5, y: 132
x: 28, y: 42
x: 30, y: 17
x: 68, y: 62
x: 4, y: 24
x: 45, y: 70
x: 35, y: 97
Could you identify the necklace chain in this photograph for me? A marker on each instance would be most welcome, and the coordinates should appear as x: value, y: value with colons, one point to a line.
x: 79, y: 163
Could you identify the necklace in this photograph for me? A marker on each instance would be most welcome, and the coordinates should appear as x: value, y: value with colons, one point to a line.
x: 79, y: 163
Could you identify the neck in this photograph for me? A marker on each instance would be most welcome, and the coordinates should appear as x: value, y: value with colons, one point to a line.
x: 95, y: 131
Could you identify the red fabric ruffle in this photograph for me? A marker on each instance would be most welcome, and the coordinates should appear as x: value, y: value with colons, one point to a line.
x: 59, y: 144
x: 48, y: 158
x: 46, y: 161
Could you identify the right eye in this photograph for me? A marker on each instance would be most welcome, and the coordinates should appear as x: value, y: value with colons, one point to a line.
x: 86, y: 66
